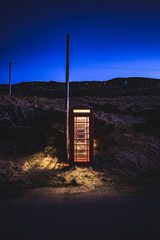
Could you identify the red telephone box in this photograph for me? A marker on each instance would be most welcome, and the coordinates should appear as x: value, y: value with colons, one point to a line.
x: 81, y: 135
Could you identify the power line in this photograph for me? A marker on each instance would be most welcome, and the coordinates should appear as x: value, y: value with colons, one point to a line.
x: 89, y: 66
x: 116, y: 67
x: 113, y: 24
x: 38, y: 64
x: 33, y: 64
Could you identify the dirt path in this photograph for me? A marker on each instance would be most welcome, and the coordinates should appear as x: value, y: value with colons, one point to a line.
x: 77, y: 213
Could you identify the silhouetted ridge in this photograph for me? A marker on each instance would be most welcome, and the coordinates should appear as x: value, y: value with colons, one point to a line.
x: 133, y: 86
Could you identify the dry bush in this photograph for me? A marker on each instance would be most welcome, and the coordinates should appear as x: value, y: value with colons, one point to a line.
x: 124, y: 151
x: 26, y: 128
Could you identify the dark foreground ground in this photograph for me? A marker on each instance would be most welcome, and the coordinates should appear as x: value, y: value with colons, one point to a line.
x: 57, y: 213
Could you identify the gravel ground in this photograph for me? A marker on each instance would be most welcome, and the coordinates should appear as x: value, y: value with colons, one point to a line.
x: 78, y: 213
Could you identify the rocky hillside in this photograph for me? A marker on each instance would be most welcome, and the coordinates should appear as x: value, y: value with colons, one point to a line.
x: 114, y: 87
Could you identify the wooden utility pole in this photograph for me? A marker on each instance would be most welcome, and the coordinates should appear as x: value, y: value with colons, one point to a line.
x: 67, y: 99
x: 10, y: 78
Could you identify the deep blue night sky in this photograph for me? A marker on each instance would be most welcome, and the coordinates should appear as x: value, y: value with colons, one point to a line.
x: 33, y: 38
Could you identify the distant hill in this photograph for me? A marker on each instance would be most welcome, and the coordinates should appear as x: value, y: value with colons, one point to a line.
x: 115, y: 87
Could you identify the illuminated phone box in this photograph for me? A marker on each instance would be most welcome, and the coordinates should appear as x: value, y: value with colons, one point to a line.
x: 81, y: 135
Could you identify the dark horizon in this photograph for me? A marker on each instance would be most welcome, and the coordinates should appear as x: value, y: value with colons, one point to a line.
x: 90, y: 81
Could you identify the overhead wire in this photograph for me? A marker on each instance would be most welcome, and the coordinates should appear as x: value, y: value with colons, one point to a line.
x: 88, y: 66
x: 114, y: 24
x: 37, y: 64
x: 116, y: 67
x: 33, y: 64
